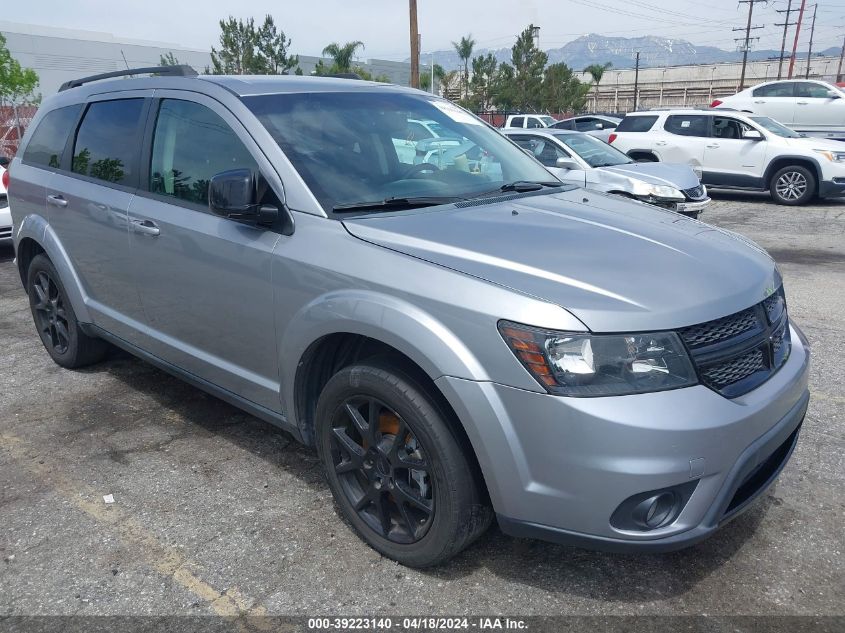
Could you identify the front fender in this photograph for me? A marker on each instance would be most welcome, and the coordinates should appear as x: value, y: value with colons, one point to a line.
x: 36, y: 228
x: 395, y: 322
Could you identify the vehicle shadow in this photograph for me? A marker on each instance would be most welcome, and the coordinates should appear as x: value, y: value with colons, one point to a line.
x: 7, y: 252
x: 732, y: 195
x: 552, y: 568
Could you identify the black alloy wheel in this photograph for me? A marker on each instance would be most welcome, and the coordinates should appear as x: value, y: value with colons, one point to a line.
x: 382, y: 469
x: 50, y: 315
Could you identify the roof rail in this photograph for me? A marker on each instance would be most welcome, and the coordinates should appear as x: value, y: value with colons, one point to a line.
x: 180, y: 70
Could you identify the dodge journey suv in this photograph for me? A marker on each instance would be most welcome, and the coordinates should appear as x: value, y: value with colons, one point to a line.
x: 462, y: 339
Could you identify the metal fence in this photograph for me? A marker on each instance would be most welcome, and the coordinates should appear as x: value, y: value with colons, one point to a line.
x: 13, y: 123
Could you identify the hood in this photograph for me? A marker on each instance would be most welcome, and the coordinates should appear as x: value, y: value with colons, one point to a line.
x: 673, y: 175
x: 616, y: 265
x: 815, y: 142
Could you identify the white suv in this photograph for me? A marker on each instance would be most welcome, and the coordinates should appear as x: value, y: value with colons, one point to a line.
x: 529, y: 120
x: 737, y: 151
x: 815, y: 108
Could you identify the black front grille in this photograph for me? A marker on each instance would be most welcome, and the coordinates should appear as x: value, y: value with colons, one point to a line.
x: 694, y: 193
x: 739, y: 352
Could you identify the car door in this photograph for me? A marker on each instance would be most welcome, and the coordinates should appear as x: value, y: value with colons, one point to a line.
x: 815, y: 110
x: 204, y: 280
x: 731, y: 160
x: 547, y: 151
x: 89, y: 201
x: 776, y: 101
x: 684, y: 139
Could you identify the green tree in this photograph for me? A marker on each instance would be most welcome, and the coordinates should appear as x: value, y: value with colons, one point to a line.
x: 504, y: 92
x: 168, y: 60
x: 272, y: 50
x: 17, y: 84
x: 528, y: 63
x: 464, y: 50
x: 484, y: 69
x: 249, y: 50
x: 596, y: 71
x: 425, y: 81
x: 342, y: 55
x: 562, y: 90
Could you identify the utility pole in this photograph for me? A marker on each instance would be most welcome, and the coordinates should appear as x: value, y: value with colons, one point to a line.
x: 841, y: 56
x: 636, y: 80
x: 786, y: 24
x: 795, y: 41
x: 746, y: 41
x: 810, y: 49
x: 415, y: 45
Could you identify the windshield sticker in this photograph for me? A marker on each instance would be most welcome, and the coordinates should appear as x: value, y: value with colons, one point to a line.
x: 685, y: 123
x: 455, y: 113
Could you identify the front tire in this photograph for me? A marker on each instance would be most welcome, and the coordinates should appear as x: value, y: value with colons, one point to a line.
x: 396, y: 467
x: 793, y: 185
x: 55, y: 320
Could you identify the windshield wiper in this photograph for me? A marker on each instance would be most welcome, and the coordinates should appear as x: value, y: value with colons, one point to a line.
x: 521, y: 186
x: 396, y: 203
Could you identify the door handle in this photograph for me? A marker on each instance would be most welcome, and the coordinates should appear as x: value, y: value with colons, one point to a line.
x: 145, y: 227
x: 713, y: 146
x: 801, y: 103
x: 56, y: 200
x: 759, y: 102
x: 661, y: 143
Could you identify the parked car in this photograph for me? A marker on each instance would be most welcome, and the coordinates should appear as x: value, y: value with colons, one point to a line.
x: 735, y: 150
x: 457, y: 343
x: 415, y: 133
x: 5, y: 213
x: 598, y: 125
x: 583, y: 160
x: 528, y: 120
x: 812, y: 107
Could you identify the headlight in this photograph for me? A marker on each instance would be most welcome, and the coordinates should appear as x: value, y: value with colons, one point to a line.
x: 587, y: 365
x: 645, y: 190
x: 836, y: 157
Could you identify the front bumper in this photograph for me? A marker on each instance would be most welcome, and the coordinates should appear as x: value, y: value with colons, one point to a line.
x: 5, y: 223
x: 557, y: 468
x: 690, y: 208
x: 832, y: 188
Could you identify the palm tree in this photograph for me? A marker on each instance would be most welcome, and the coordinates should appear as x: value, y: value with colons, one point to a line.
x: 342, y: 55
x: 596, y: 71
x: 464, y: 50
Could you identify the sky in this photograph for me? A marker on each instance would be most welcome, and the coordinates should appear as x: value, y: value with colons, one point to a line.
x: 383, y: 24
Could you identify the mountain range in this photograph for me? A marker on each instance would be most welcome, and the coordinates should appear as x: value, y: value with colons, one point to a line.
x: 621, y: 51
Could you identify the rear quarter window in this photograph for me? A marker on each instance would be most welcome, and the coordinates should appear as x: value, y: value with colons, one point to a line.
x: 636, y: 123
x: 687, y: 124
x: 47, y: 144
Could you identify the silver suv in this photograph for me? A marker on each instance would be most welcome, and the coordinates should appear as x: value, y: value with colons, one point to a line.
x: 460, y: 338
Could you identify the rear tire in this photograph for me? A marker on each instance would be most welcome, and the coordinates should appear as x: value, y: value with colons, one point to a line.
x: 55, y: 320
x: 396, y: 467
x: 793, y: 185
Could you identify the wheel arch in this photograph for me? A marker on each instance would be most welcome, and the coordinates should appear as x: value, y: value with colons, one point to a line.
x: 36, y: 236
x: 785, y: 161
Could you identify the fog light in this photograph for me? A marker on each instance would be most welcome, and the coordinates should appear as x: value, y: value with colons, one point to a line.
x: 654, y: 509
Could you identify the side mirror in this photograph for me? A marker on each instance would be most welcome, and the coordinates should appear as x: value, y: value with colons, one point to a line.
x: 566, y: 163
x: 832, y: 94
x: 752, y: 135
x: 231, y: 194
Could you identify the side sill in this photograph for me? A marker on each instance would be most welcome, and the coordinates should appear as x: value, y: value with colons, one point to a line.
x: 263, y: 413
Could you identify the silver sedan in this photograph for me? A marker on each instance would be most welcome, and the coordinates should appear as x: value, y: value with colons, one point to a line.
x: 581, y: 159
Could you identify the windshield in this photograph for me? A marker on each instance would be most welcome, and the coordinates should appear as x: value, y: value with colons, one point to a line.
x: 595, y: 152
x: 774, y: 127
x: 372, y: 146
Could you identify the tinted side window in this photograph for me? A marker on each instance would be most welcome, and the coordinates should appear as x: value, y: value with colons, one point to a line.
x: 518, y: 121
x: 192, y: 144
x: 726, y: 127
x: 636, y: 124
x: 811, y: 90
x: 686, y: 125
x: 534, y: 123
x: 785, y: 89
x: 50, y: 137
x: 106, y: 145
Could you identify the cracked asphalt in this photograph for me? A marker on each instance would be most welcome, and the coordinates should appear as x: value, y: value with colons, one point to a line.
x: 216, y: 512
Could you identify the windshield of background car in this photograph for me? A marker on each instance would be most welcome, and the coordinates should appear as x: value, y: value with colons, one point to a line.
x: 356, y: 147
x: 597, y: 153
x: 774, y: 127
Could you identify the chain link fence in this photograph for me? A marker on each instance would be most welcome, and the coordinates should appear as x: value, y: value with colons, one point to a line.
x: 13, y: 123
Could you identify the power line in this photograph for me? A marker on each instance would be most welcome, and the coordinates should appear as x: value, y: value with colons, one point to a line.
x: 746, y: 41
x: 786, y: 24
x: 810, y: 49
